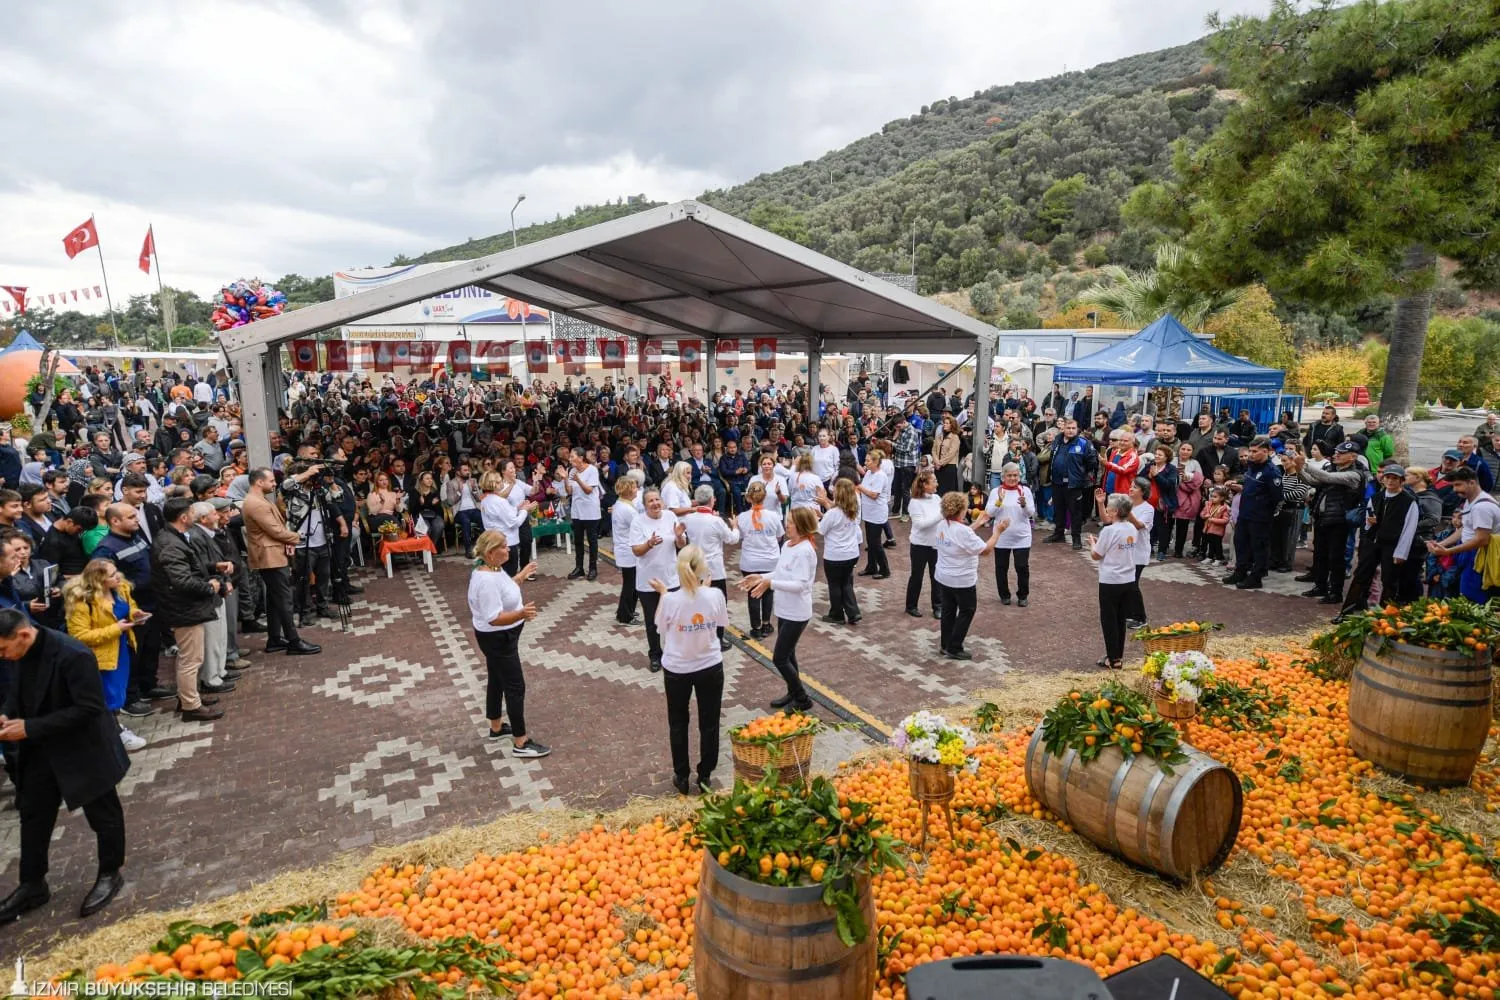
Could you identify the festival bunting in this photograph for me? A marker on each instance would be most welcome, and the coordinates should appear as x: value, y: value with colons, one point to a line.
x: 491, y: 352
x: 338, y: 355
x: 460, y: 357
x: 650, y: 359
x: 612, y: 353
x: 536, y: 358
x: 689, y: 352
x: 385, y: 356
x: 765, y: 352
x: 423, y: 353
x: 562, y: 351
x: 305, y: 355
x: 401, y: 352
x: 727, y: 352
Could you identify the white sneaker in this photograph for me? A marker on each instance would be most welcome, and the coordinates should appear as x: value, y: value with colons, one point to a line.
x: 131, y: 741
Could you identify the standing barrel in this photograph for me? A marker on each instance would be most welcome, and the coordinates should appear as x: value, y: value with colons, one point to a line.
x: 765, y: 942
x: 1180, y: 824
x: 1420, y: 713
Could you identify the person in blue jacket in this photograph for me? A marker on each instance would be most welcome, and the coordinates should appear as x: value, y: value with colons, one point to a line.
x: 1260, y: 497
x: 1075, y: 466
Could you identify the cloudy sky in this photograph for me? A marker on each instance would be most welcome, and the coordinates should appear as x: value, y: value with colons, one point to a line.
x: 269, y: 136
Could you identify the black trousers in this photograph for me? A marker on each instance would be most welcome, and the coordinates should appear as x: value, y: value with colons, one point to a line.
x: 1252, y: 549
x: 902, y: 489
x: 958, y: 614
x: 842, y: 605
x: 319, y: 564
x: 1115, y: 600
x: 1376, y: 556
x: 722, y: 586
x: 1137, y: 606
x: 339, y: 564
x: 1284, y: 538
x: 506, y: 684
x: 947, y: 479
x: 650, y: 601
x: 586, y: 530
x: 1330, y: 540
x: 1180, y: 534
x: 146, y: 659
x: 1070, y: 507
x: 625, y: 610
x: 279, y: 625
x: 38, y: 800
x: 784, y: 656
x: 1023, y: 571
x: 762, y: 608
x: 523, y: 555
x: 923, y: 557
x: 708, y: 686
x: 875, y: 558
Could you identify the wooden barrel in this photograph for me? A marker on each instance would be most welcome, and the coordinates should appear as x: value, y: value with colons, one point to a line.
x: 1420, y: 713
x: 1180, y: 824
x: 763, y: 942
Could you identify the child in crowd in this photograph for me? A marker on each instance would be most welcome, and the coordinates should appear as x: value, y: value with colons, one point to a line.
x: 1442, y: 572
x: 1215, y: 523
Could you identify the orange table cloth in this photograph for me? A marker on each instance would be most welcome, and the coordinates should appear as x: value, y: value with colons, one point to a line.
x: 413, y: 544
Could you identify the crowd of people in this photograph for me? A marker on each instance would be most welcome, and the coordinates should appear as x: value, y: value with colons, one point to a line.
x: 132, y: 525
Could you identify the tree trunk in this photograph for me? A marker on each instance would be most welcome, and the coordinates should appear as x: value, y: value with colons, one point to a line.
x: 1408, y: 340
x: 47, y: 368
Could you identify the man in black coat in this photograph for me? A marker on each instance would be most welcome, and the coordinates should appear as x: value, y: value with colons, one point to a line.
x: 69, y: 751
x: 1220, y: 452
x: 187, y: 598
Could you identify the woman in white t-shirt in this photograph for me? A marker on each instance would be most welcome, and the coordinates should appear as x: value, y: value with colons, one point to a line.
x: 1114, y: 551
x: 796, y: 570
x: 806, y: 488
x: 760, y: 546
x: 1143, y: 519
x: 677, y: 490
x: 692, y: 663
x: 839, y: 527
x: 1011, y: 506
x: 655, y: 537
x: 959, y: 547
x: 710, y: 533
x: 874, y: 511
x: 825, y: 458
x: 925, y: 508
x: 621, y: 515
x: 518, y: 492
x: 498, y: 613
x: 498, y: 514
x: 772, y: 481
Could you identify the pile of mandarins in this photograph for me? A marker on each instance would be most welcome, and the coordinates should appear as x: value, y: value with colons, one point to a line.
x: 1390, y: 891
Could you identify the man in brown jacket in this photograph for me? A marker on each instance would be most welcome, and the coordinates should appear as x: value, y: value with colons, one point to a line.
x: 269, y: 543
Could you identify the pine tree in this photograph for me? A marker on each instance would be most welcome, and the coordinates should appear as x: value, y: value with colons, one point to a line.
x: 1365, y: 147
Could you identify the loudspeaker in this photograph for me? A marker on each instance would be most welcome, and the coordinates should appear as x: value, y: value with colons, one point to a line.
x: 1014, y: 977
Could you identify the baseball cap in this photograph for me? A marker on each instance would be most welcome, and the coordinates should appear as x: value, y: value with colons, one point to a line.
x: 1345, y: 447
x: 1454, y: 454
x: 1393, y: 470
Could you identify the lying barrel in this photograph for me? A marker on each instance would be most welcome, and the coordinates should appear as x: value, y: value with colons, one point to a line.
x: 1420, y: 713
x: 764, y: 942
x: 1180, y: 824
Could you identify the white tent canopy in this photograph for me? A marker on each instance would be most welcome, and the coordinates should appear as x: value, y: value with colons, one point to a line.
x: 682, y: 271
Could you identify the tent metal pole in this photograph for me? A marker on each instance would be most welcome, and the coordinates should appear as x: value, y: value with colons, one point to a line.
x: 984, y: 364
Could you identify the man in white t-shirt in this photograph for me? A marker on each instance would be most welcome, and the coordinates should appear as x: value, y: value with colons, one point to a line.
x: 584, y: 495
x: 1481, y: 522
x: 461, y: 494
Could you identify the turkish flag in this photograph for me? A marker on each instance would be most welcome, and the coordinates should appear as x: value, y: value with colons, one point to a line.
x: 689, y: 352
x: 612, y: 353
x: 81, y: 239
x: 148, y: 248
x: 385, y: 356
x: 460, y: 357
x: 305, y: 355
x: 765, y: 352
x: 492, y: 352
x: 338, y: 355
x: 423, y: 352
x: 98, y: 294
x: 578, y: 350
x: 727, y: 352
x: 650, y: 360
x: 75, y: 295
x: 51, y: 299
x: 536, y: 358
x: 85, y: 293
x: 17, y: 292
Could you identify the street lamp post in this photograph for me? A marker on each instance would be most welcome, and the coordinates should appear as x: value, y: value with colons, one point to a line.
x: 514, y: 243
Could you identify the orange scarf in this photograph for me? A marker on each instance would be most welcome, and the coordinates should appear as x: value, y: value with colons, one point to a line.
x: 755, y: 521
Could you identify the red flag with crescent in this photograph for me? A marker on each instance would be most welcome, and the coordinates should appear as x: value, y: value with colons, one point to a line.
x: 17, y: 292
x: 338, y: 355
x: 423, y: 352
x: 81, y: 239
x: 727, y: 352
x: 650, y: 360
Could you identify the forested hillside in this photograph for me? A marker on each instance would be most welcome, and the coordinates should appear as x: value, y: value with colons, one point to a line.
x: 581, y: 217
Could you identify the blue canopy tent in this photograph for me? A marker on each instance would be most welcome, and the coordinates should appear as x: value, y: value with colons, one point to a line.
x: 1167, y: 353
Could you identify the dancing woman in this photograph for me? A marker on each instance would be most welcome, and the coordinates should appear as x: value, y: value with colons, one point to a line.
x: 796, y: 569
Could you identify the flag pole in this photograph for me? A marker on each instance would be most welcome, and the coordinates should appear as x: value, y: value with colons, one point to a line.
x: 108, y: 302
x: 161, y: 291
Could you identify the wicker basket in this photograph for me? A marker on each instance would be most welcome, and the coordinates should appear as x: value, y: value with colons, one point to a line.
x: 791, y: 758
x: 930, y: 782
x: 1177, y: 711
x: 1177, y: 643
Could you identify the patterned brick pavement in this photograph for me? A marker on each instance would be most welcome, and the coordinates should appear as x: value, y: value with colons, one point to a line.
x: 377, y: 740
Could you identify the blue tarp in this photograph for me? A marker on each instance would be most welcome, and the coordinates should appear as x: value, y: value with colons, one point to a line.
x: 1167, y: 353
x: 24, y: 342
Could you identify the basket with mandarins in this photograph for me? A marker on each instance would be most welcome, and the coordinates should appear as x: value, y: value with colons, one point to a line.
x: 779, y: 742
x: 1177, y: 637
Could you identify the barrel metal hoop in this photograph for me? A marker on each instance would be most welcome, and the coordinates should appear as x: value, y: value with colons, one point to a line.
x: 774, y: 974
x: 765, y: 893
x: 1482, y: 682
x: 770, y: 930
x: 1423, y: 653
x: 1174, y: 804
x: 1435, y: 751
x: 1421, y: 698
x: 1036, y: 738
x: 1115, y: 785
x: 1145, y: 812
x: 1069, y: 759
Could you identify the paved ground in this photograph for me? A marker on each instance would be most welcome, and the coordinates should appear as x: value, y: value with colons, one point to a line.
x: 377, y: 740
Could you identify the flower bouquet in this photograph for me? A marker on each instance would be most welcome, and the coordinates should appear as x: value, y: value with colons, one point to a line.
x: 1177, y: 680
x: 934, y: 749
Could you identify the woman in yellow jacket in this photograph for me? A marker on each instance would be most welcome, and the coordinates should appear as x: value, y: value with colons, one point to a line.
x: 102, y: 615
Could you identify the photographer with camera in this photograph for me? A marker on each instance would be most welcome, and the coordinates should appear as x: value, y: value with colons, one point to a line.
x: 308, y: 492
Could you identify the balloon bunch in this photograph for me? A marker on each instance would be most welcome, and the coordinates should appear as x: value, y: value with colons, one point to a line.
x: 244, y: 302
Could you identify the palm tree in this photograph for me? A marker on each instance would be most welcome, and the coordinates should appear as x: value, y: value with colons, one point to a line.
x: 1143, y: 297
